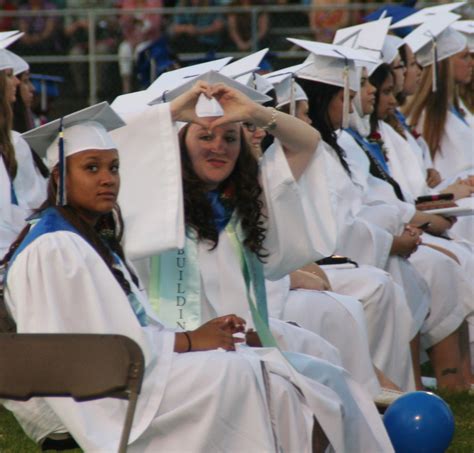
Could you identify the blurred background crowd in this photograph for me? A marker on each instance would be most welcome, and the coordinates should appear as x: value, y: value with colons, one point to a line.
x: 99, y: 49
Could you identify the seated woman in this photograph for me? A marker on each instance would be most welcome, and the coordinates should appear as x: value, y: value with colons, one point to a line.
x: 380, y: 189
x: 69, y: 274
x: 22, y: 176
x: 240, y: 216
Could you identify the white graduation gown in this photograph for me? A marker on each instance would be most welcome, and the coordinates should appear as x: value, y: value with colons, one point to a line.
x: 183, y: 395
x: 290, y: 244
x: 338, y: 319
x: 451, y: 291
x: 455, y: 157
x: 402, y: 161
x: 30, y: 190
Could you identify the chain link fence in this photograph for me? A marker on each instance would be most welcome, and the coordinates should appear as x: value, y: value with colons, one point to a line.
x: 100, y: 53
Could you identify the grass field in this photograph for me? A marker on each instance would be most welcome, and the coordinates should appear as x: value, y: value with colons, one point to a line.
x: 13, y: 440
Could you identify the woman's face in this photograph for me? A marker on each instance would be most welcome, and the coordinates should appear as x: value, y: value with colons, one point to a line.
x: 412, y: 74
x: 12, y: 83
x: 462, y: 65
x: 27, y: 90
x: 336, y: 106
x: 367, y: 94
x: 93, y: 182
x: 398, y: 68
x: 213, y: 154
x: 254, y: 136
x: 387, y: 102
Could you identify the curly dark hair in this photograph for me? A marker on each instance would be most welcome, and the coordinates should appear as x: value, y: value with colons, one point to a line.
x: 319, y: 96
x: 246, y: 199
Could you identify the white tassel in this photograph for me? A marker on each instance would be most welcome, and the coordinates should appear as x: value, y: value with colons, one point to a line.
x: 435, y: 67
x: 292, y: 97
x: 346, y: 104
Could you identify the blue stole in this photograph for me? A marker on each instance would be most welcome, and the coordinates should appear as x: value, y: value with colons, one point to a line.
x: 373, y: 148
x: 221, y: 213
x: 14, y: 198
x: 403, y: 120
x: 456, y: 112
x: 51, y: 221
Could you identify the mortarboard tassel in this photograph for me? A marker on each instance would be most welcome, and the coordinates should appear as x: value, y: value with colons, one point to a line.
x: 61, y: 199
x: 346, y: 104
x: 292, y: 97
x: 435, y: 67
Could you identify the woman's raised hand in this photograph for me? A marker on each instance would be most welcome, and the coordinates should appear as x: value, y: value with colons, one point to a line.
x: 183, y: 108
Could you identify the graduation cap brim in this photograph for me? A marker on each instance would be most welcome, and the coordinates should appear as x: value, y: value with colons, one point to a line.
x: 212, y: 77
x: 429, y: 30
x: 41, y: 138
x: 245, y: 65
x: 426, y: 14
x: 173, y: 79
x: 6, y: 42
x: 370, y: 36
x: 333, y: 50
x: 282, y: 74
x: 464, y: 26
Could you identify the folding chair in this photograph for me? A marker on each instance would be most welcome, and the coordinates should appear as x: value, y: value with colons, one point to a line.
x: 82, y: 366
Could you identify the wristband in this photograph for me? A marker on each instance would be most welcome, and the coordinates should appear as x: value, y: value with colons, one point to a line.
x: 190, y: 345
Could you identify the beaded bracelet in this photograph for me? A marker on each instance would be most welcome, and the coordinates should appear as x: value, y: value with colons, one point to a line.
x: 189, y: 341
x: 272, y: 124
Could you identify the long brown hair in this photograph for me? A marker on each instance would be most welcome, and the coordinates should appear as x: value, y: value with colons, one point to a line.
x: 434, y: 106
x: 245, y: 199
x: 466, y: 94
x: 7, y: 151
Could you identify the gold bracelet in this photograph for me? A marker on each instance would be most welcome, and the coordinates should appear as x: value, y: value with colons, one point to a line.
x: 272, y: 124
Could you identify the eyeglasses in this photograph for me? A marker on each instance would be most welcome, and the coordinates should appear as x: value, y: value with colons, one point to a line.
x: 250, y: 126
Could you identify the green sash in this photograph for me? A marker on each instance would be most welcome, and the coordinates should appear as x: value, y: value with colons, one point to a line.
x: 175, y: 285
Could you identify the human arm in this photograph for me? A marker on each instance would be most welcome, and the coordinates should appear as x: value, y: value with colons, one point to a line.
x: 299, y: 139
x: 437, y: 223
x: 407, y: 243
x: 433, y: 178
x: 216, y: 333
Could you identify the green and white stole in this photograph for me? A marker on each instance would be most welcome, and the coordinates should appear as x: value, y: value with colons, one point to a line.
x: 175, y: 285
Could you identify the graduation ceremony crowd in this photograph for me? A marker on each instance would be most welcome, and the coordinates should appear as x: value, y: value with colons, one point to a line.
x: 287, y: 248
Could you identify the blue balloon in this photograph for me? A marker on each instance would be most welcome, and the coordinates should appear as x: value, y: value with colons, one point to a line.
x: 419, y: 422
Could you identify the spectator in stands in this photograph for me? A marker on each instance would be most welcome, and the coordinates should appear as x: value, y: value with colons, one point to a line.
x: 240, y: 27
x: 42, y: 33
x: 76, y: 29
x: 325, y: 22
x: 196, y: 32
x: 7, y: 23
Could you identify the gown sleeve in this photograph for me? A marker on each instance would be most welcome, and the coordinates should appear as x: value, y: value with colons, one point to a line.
x: 59, y: 284
x: 300, y: 224
x: 151, y: 195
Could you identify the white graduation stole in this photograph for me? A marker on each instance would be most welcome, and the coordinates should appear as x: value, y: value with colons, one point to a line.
x: 175, y: 285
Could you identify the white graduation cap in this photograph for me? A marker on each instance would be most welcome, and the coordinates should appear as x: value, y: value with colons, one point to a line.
x: 19, y: 64
x: 286, y: 88
x: 435, y: 41
x: 369, y: 36
x: 171, y: 80
x: 246, y: 66
x: 390, y: 48
x: 7, y: 39
x: 258, y: 82
x: 8, y: 34
x: 335, y: 65
x: 210, y: 107
x: 466, y: 27
x: 76, y: 132
x: 426, y: 14
x: 289, y: 92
